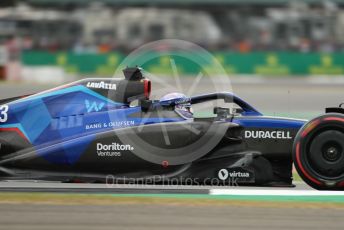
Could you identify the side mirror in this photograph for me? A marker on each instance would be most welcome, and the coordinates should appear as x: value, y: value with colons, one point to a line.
x: 146, y: 105
x: 221, y: 113
x: 237, y: 111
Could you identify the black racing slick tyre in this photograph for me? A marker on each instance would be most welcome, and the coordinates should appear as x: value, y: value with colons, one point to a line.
x: 318, y: 152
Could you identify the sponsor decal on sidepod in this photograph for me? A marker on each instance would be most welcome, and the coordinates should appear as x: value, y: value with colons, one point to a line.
x: 267, y: 134
x: 112, y: 150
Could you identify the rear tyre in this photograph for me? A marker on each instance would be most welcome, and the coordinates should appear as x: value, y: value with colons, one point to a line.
x: 318, y: 152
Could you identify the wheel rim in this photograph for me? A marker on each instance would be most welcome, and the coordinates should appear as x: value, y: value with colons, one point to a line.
x: 326, y: 154
x: 332, y: 151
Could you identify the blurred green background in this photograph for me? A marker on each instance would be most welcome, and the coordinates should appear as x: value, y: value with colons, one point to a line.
x: 260, y: 63
x: 65, y: 40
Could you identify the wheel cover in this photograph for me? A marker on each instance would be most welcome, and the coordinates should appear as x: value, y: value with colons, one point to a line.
x: 325, y: 154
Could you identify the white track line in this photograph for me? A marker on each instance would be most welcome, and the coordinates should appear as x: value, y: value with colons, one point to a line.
x: 326, y: 80
x: 278, y: 192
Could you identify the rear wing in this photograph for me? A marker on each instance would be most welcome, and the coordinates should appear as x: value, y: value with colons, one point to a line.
x: 339, y: 109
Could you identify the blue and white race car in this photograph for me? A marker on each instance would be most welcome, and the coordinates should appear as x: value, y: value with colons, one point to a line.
x: 96, y: 129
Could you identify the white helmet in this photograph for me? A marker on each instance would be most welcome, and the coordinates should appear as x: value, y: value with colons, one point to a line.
x: 181, y: 103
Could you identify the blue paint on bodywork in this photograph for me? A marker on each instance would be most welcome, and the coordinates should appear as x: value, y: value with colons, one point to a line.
x: 61, y: 124
x: 267, y: 122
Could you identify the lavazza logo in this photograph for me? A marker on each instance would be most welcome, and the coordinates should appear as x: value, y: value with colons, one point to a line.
x: 113, y: 150
x: 268, y: 134
x: 101, y: 85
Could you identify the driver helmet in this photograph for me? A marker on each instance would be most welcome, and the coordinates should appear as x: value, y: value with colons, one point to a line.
x: 181, y: 103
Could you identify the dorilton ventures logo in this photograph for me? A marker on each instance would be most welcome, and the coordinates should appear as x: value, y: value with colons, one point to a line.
x: 268, y: 134
x: 113, y: 147
x: 112, y: 150
x: 101, y: 85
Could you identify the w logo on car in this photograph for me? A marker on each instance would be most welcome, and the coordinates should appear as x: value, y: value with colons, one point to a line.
x: 93, y: 106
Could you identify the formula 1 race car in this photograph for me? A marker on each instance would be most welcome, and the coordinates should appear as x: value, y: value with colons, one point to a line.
x: 100, y: 129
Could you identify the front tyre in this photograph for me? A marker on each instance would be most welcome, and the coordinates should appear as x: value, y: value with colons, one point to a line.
x: 318, y: 152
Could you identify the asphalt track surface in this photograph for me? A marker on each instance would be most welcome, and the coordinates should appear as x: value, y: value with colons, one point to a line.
x: 143, y: 216
x: 299, y: 97
x: 164, y: 216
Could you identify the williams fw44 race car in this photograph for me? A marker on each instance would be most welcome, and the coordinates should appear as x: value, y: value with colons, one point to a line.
x: 95, y: 129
